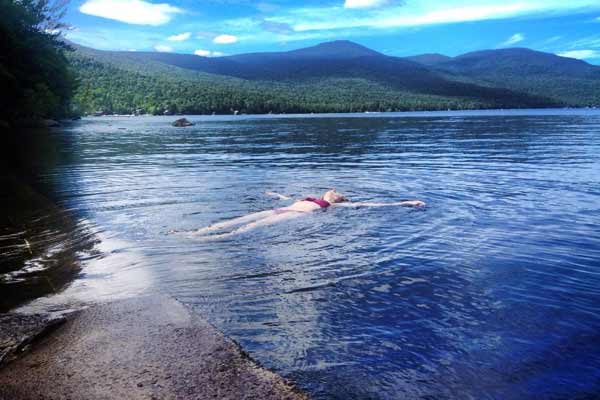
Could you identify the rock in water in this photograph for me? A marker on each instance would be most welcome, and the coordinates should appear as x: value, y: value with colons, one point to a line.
x: 181, y: 122
x: 17, y: 331
x: 50, y: 123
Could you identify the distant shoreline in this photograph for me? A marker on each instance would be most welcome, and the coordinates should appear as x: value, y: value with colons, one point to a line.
x: 480, y: 111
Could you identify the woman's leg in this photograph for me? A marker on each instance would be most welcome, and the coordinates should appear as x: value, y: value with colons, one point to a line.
x: 268, y: 220
x: 234, y: 222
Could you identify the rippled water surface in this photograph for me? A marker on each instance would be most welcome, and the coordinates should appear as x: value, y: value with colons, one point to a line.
x: 491, y: 291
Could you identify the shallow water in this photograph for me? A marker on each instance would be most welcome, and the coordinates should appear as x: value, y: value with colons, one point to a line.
x: 491, y: 291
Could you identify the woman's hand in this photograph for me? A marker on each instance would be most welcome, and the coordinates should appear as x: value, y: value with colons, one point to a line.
x: 408, y: 203
x: 278, y: 196
x: 413, y: 203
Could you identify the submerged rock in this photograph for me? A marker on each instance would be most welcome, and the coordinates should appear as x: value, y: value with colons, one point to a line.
x: 17, y: 331
x: 181, y: 122
x: 50, y: 123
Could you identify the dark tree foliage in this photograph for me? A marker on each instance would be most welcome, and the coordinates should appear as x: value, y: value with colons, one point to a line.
x: 35, y: 78
x: 567, y: 81
x: 338, y: 76
x: 118, y: 83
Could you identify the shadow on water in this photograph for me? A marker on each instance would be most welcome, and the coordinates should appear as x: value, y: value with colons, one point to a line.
x: 39, y: 240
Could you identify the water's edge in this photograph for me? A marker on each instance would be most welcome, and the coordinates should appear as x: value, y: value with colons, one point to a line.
x: 182, y: 354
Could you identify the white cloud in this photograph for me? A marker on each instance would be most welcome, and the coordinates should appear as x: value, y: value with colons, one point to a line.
x: 207, y: 53
x: 180, y: 38
x: 364, y: 3
x: 138, y: 12
x: 404, y: 14
x: 514, y: 39
x: 588, y: 41
x: 266, y: 8
x: 581, y: 54
x: 163, y: 48
x: 115, y: 37
x: 225, y: 39
x: 553, y: 39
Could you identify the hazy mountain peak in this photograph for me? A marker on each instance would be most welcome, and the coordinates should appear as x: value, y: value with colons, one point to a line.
x: 429, y: 58
x: 521, y: 60
x: 505, y: 52
x: 336, y: 49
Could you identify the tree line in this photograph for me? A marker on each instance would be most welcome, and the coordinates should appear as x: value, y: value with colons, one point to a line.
x: 109, y: 89
x: 35, y: 76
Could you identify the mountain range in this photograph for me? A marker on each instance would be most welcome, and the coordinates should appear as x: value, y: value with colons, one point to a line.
x: 335, y: 76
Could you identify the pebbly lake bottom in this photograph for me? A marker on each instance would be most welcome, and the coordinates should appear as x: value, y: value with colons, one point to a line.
x: 491, y: 291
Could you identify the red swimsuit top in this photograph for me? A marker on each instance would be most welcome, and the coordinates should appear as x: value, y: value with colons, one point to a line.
x: 320, y: 202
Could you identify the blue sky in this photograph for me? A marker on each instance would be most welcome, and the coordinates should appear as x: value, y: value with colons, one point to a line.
x: 394, y: 27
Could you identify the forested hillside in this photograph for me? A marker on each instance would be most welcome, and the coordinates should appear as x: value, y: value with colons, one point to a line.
x: 108, y: 89
x: 35, y: 79
x: 333, y: 77
x: 565, y: 80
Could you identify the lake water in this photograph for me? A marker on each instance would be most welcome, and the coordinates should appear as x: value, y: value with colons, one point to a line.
x: 492, y: 291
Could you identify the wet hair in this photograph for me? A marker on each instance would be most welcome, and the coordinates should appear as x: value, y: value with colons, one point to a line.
x: 332, y: 196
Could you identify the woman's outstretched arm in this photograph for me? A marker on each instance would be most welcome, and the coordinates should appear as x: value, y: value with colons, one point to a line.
x: 278, y: 196
x: 406, y: 203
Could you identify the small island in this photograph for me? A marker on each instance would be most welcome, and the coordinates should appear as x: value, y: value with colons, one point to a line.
x: 182, y: 122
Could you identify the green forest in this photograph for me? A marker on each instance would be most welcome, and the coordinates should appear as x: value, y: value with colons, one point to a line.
x: 100, y: 89
x: 126, y: 83
x: 37, y: 80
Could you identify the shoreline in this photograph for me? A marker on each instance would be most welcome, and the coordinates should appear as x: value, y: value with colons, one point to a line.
x: 465, y: 112
x: 139, y: 348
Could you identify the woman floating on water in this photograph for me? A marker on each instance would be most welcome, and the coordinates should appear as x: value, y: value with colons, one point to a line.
x: 298, y: 208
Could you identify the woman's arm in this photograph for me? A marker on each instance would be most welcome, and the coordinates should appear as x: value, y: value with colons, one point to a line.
x: 278, y: 196
x: 407, y: 203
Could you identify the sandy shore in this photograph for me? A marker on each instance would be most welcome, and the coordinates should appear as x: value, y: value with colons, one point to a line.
x: 145, y: 348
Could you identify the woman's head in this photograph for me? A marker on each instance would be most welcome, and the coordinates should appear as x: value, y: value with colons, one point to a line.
x: 334, y: 197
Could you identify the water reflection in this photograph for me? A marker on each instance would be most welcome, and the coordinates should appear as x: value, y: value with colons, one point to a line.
x: 40, y: 242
